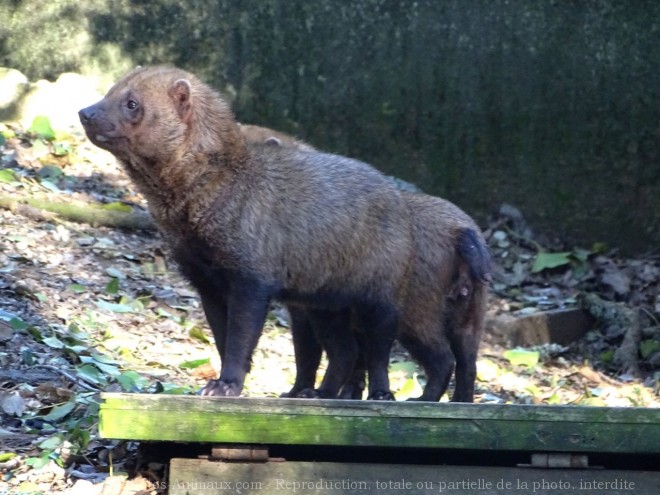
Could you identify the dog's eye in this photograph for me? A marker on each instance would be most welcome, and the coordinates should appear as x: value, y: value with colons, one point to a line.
x: 131, y: 104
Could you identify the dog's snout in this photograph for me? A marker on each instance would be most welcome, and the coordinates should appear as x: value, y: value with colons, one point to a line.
x: 86, y: 115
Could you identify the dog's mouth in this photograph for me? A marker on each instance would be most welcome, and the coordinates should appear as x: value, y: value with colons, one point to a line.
x: 99, y: 129
x: 104, y: 140
x: 107, y: 141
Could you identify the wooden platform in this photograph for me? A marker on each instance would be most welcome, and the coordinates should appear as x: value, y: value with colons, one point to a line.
x: 559, y: 436
x: 380, y: 424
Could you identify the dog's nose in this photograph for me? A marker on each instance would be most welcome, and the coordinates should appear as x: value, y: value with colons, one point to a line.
x: 87, y: 114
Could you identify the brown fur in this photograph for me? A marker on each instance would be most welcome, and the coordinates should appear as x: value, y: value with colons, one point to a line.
x: 444, y: 305
x: 248, y: 224
x: 255, y: 134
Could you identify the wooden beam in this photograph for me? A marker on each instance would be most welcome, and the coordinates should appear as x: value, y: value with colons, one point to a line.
x: 381, y: 424
x: 201, y: 477
x: 561, y: 326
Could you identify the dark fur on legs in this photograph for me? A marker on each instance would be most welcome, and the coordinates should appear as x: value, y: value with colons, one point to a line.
x: 455, y: 335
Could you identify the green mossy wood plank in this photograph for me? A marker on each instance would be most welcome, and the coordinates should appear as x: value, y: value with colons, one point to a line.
x: 382, y: 424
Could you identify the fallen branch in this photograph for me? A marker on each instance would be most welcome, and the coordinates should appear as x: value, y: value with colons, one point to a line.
x: 94, y: 215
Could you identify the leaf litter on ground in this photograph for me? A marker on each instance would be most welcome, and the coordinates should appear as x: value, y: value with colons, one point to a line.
x: 85, y: 309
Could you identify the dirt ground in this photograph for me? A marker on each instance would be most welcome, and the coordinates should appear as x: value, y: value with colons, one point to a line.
x: 87, y: 308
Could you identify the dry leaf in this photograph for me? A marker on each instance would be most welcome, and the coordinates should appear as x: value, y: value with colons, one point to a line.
x: 12, y: 403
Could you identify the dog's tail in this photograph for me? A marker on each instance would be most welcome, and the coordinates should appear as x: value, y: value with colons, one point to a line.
x: 476, y: 255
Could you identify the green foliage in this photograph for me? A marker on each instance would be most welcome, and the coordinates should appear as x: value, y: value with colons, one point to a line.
x: 591, y: 401
x: 577, y: 259
x: 57, y: 413
x: 411, y: 388
x: 112, y: 287
x: 131, y: 381
x: 44, y: 39
x: 75, y: 418
x: 521, y: 357
x: 41, y: 461
x: 648, y: 347
x: 171, y: 388
x: 487, y: 370
x: 77, y: 288
x: 91, y: 374
x: 103, y: 363
x: 637, y: 398
x: 18, y: 324
x: 53, y: 342
x: 41, y: 128
x: 407, y: 367
x: 117, y: 206
x: 196, y: 363
x: 544, y: 261
x: 114, y: 307
x: 6, y: 133
x: 115, y: 273
x: 7, y: 176
x: 61, y: 149
x: 607, y: 356
x: 50, y: 172
x: 198, y: 333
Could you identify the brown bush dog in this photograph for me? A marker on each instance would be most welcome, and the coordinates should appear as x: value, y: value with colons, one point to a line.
x: 248, y: 225
x: 255, y: 134
x: 444, y: 306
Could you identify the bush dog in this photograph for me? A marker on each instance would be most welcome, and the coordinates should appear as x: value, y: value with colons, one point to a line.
x: 444, y: 306
x: 248, y: 225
